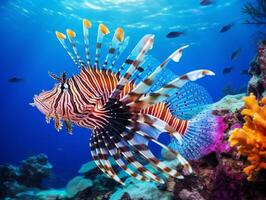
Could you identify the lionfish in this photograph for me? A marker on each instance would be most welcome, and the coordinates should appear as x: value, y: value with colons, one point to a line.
x: 129, y: 105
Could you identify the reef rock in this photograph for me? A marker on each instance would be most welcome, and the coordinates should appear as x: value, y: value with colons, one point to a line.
x: 135, y: 190
x: 77, y: 184
x: 231, y: 103
x: 51, y: 194
x: 190, y: 195
x: 257, y: 83
x: 89, y: 167
x: 28, y: 176
x: 34, y: 169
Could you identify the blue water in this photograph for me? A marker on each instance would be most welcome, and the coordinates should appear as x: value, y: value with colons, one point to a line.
x: 29, y: 49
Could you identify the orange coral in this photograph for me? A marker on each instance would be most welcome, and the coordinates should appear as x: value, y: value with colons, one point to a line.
x: 250, y: 140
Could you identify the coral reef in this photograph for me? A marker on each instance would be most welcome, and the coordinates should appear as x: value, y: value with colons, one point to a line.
x: 257, y: 83
x: 34, y: 169
x: 27, y: 176
x: 216, y: 176
x: 231, y: 103
x: 250, y: 140
x: 50, y: 195
x: 77, y: 184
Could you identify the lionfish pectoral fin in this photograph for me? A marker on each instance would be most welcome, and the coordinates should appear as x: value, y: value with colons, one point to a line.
x: 100, y: 156
x: 140, y: 143
x: 178, y: 54
x: 117, y: 156
x: 160, y: 125
x: 178, y: 137
x: 128, y: 156
x: 151, y: 132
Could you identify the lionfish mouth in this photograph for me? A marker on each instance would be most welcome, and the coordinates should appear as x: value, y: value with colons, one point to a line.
x: 44, y: 107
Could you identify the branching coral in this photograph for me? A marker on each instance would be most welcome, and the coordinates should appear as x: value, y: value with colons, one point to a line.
x: 250, y: 140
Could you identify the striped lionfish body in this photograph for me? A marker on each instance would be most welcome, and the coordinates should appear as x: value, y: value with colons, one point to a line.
x: 126, y: 107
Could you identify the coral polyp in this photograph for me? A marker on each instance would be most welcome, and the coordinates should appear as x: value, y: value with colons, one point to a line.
x: 250, y: 140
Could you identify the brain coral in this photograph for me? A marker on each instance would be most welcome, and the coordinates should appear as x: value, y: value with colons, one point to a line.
x: 250, y: 140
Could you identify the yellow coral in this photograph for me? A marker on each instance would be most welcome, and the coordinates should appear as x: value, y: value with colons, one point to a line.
x: 250, y: 140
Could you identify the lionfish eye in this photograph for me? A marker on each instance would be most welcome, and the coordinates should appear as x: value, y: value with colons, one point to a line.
x: 63, y: 86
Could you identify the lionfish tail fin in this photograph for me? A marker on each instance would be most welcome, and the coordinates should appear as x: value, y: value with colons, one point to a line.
x: 201, y: 137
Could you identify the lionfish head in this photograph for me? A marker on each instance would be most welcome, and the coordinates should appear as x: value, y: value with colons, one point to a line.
x: 51, y: 104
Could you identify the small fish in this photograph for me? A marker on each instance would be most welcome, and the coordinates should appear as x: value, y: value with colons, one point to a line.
x: 226, y: 28
x: 15, y: 80
x: 175, y: 34
x: 244, y: 72
x: 235, y: 54
x: 227, y: 70
x: 123, y: 115
x: 206, y: 2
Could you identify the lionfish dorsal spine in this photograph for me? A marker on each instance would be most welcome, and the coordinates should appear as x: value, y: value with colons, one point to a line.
x: 116, y: 41
x: 102, y: 31
x: 61, y: 37
x: 145, y: 84
x: 133, y: 62
x: 162, y: 94
x: 86, y: 26
x: 72, y: 40
x: 119, y: 51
